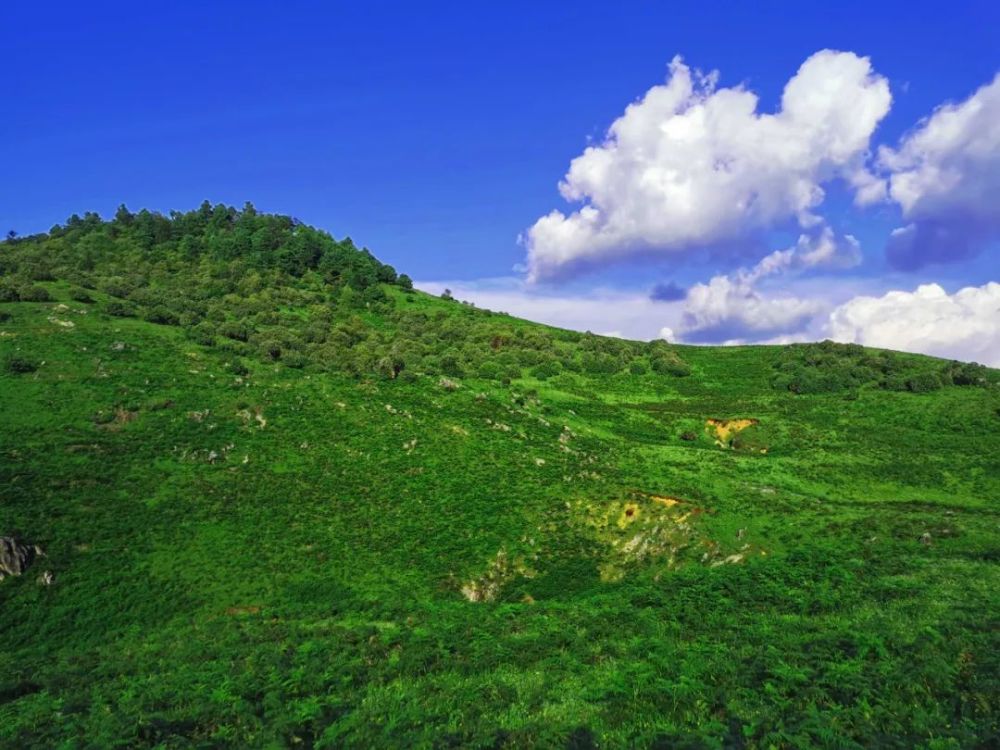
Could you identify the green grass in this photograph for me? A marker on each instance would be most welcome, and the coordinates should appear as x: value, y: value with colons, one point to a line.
x: 304, y: 586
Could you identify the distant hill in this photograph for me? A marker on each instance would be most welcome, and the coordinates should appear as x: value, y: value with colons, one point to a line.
x: 284, y: 499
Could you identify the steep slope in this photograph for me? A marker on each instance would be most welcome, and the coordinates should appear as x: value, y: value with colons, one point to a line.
x: 285, y: 499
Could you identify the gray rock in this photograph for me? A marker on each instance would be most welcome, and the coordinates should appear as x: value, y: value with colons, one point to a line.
x: 16, y: 557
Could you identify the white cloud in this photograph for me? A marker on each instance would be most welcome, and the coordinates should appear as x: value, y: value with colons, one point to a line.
x: 730, y: 307
x: 964, y: 325
x: 625, y: 313
x: 945, y: 175
x: 691, y: 165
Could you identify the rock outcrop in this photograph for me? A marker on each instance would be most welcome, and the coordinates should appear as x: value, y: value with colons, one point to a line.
x: 16, y: 557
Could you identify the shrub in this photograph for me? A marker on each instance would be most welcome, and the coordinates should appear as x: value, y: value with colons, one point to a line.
x: 117, y: 288
x: 390, y: 366
x: 271, y: 347
x: 600, y: 364
x: 894, y: 383
x: 669, y: 364
x: 637, y: 367
x: 969, y: 373
x: 118, y: 309
x: 203, y: 333
x: 81, y: 295
x: 236, y: 330
x: 294, y: 359
x: 9, y: 293
x: 35, y: 293
x: 489, y: 370
x: 923, y: 382
x: 451, y: 366
x: 546, y: 370
x: 161, y: 315
x: 20, y: 365
x: 39, y: 272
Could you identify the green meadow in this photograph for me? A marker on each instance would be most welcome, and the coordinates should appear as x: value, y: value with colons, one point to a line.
x: 288, y: 501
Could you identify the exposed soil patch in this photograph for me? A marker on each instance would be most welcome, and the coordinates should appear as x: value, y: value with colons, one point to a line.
x: 250, y: 609
x: 488, y: 586
x: 726, y: 429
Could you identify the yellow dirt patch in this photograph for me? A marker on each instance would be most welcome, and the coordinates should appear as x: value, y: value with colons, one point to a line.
x: 724, y: 429
x: 666, y: 500
x: 629, y: 514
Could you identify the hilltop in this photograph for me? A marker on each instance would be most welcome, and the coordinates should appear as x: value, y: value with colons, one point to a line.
x: 283, y: 498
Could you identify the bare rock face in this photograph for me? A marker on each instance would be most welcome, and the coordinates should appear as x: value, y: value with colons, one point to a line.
x: 16, y: 557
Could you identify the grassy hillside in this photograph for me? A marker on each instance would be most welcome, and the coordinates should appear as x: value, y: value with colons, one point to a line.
x: 288, y: 501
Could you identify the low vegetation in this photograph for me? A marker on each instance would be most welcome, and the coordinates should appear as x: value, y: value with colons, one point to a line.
x: 287, y: 500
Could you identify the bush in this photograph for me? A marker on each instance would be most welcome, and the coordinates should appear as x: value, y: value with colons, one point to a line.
x: 489, y: 371
x: 9, y: 293
x: 81, y: 295
x: 545, y: 370
x: 294, y: 359
x: 236, y: 330
x: 117, y: 288
x: 20, y: 365
x: 600, y: 364
x: 35, y: 293
x: 450, y: 366
x: 203, y: 333
x: 923, y: 382
x: 271, y: 347
x: 969, y: 373
x: 638, y: 367
x: 236, y: 367
x: 390, y: 366
x: 117, y: 309
x: 670, y: 364
x: 161, y: 315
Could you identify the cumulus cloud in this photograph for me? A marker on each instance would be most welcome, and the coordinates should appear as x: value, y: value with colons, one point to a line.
x: 945, y: 176
x: 964, y: 325
x: 691, y: 165
x: 730, y: 307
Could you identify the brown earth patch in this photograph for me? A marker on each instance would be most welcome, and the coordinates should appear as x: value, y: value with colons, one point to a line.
x: 249, y: 609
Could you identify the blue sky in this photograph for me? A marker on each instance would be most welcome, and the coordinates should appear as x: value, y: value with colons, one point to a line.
x: 437, y: 134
